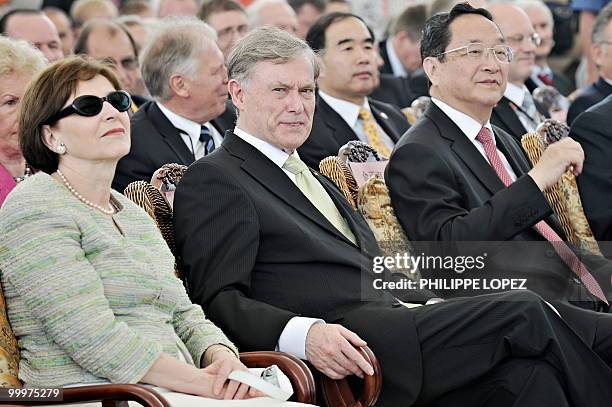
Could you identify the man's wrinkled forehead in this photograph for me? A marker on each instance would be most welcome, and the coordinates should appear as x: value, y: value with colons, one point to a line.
x: 474, y: 28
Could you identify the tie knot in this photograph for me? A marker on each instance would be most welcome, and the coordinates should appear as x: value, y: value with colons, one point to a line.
x: 294, y: 165
x: 484, y: 136
x: 364, y: 114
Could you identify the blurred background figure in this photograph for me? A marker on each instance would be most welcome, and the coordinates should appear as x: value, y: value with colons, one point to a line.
x: 177, y: 8
x: 19, y: 62
x: 543, y: 23
x: 83, y: 11
x: 34, y: 27
x: 401, y: 50
x: 64, y: 28
x: 602, y: 55
x: 138, y: 28
x: 229, y: 20
x: 337, y: 6
x: 141, y: 8
x: 307, y: 11
x: 109, y: 41
x: 275, y: 13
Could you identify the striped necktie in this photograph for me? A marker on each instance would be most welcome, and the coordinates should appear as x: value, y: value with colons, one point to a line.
x: 485, y: 138
x: 207, y: 139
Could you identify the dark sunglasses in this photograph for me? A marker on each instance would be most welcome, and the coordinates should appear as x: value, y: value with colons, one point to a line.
x: 89, y: 105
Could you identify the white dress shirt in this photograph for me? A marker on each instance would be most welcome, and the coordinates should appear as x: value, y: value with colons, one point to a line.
x: 293, y: 338
x: 516, y: 95
x: 396, y: 65
x: 190, y: 131
x: 350, y: 113
x: 471, y: 128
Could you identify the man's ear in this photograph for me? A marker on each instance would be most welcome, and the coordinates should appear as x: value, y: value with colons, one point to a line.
x: 431, y: 68
x: 598, y: 53
x: 236, y: 92
x: 319, y: 56
x: 178, y: 85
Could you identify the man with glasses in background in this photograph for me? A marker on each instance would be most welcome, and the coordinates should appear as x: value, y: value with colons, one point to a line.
x: 516, y: 113
x: 110, y: 41
x: 229, y: 20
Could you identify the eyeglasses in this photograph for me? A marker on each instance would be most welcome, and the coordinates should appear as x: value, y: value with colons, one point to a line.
x: 128, y: 63
x: 89, y: 105
x: 228, y: 32
x: 502, y: 53
x: 533, y: 38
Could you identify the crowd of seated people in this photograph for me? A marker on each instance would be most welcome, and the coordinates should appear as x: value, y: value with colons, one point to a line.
x: 252, y: 96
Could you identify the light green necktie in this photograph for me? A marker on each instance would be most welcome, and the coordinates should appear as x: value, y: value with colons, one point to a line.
x: 317, y: 195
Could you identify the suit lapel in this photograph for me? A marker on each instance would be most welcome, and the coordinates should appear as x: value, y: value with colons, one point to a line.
x: 268, y: 174
x: 170, y: 134
x: 339, y: 129
x: 464, y: 149
x: 385, y: 122
x: 505, y: 112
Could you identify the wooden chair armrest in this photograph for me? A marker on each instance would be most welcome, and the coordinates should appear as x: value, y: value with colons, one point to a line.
x: 298, y: 373
x: 338, y: 393
x: 108, y: 394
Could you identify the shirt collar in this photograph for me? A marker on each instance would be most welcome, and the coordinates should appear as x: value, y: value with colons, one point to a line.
x: 347, y: 110
x: 275, y: 154
x: 187, y: 126
x: 468, y: 125
x: 537, y: 69
x: 396, y: 65
x: 516, y: 94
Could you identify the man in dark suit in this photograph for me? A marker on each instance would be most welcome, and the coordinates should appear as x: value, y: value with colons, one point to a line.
x: 280, y: 260
x: 516, y: 112
x: 187, y: 119
x: 348, y: 75
x: 601, y: 39
x: 461, y: 186
x: 592, y: 130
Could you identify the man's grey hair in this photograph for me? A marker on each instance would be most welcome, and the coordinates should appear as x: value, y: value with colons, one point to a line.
x: 254, y: 9
x: 598, y: 35
x: 267, y: 44
x: 529, y: 4
x: 174, y: 47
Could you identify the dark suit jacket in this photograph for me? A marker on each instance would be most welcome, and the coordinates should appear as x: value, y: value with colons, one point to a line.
x: 560, y: 82
x: 330, y: 131
x: 590, y: 96
x: 592, y: 130
x: 155, y: 142
x: 257, y: 253
x: 393, y: 90
x: 504, y: 117
x: 443, y: 190
x: 382, y: 49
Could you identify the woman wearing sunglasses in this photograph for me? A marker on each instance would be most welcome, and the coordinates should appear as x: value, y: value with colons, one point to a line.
x: 88, y: 279
x: 19, y: 61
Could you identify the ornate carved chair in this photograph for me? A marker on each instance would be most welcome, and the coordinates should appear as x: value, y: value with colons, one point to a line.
x: 153, y: 198
x: 563, y: 197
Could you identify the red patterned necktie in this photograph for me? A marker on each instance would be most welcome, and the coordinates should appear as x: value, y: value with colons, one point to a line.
x: 485, y: 138
x: 545, y: 78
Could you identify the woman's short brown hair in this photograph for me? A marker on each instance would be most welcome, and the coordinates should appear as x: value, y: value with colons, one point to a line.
x: 46, y: 95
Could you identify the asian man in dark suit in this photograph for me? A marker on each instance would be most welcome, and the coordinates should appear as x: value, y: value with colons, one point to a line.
x: 184, y: 71
x: 280, y: 260
x: 459, y: 185
x: 348, y: 75
x: 592, y: 130
x: 601, y: 38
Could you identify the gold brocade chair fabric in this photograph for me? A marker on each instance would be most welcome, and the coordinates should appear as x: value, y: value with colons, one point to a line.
x: 9, y: 355
x: 564, y: 197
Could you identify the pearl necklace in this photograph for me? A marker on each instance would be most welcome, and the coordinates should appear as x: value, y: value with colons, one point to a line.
x: 86, y: 201
x: 26, y: 173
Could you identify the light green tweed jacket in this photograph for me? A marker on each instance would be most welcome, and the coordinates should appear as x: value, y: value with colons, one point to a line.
x: 90, y: 298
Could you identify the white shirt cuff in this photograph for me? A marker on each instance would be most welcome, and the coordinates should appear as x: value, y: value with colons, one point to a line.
x: 293, y: 338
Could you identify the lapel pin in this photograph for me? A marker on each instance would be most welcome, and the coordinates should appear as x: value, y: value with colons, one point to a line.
x: 384, y: 115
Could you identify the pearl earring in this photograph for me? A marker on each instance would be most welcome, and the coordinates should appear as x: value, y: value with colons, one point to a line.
x: 61, y: 149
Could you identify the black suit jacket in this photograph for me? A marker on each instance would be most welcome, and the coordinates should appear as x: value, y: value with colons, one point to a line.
x: 155, y: 142
x: 590, y: 96
x: 393, y: 90
x: 505, y: 117
x: 560, y: 82
x: 382, y: 49
x: 257, y: 253
x: 592, y: 130
x: 444, y: 190
x: 330, y: 131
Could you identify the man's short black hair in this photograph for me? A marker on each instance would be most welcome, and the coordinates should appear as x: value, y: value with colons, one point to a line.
x: 316, y: 35
x: 436, y: 34
x: 317, y: 4
x: 8, y: 15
